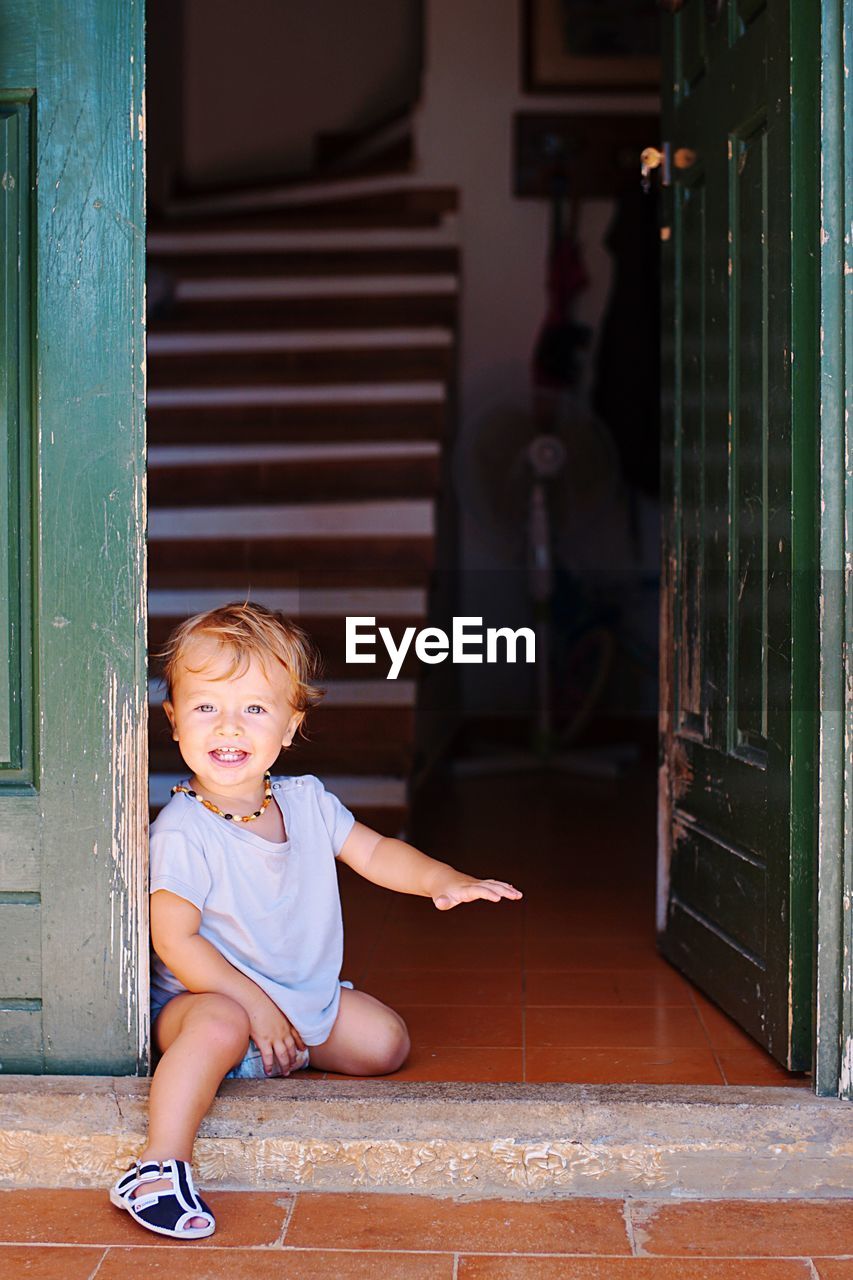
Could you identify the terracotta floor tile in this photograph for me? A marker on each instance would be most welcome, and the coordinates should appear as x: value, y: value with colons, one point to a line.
x: 775, y: 1229
x: 834, y: 1268
x: 87, y: 1217
x: 544, y: 952
x: 458, y: 1062
x: 478, y: 919
x: 461, y: 952
x: 757, y: 1067
x: 723, y: 1032
x: 432, y: 986
x: 589, y: 923
x: 42, y: 1262
x: 621, y: 1066
x: 606, y: 987
x: 544, y: 909
x: 625, y: 1028
x: 492, y: 1268
x: 172, y: 1263
x: 421, y: 1222
x: 463, y: 1024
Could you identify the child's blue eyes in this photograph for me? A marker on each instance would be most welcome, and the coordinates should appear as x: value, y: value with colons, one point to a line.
x: 207, y: 706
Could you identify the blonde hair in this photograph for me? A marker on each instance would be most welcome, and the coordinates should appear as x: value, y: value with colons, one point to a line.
x: 249, y: 631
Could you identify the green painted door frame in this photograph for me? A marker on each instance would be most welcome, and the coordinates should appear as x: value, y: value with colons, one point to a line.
x: 834, y: 1041
x: 73, y: 706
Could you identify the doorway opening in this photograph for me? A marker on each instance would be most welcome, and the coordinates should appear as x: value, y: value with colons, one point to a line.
x: 346, y: 323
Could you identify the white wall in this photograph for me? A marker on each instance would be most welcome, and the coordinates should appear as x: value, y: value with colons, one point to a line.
x: 264, y: 76
x: 471, y: 89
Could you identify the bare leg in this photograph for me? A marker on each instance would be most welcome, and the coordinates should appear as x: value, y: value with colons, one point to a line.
x: 201, y: 1038
x: 368, y: 1038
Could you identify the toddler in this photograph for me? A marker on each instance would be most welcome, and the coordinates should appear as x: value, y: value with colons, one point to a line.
x: 245, y: 914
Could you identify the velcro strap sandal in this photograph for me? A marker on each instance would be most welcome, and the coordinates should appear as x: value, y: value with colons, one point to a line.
x: 166, y: 1211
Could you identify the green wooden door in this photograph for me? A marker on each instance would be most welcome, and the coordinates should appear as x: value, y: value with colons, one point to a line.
x: 739, y: 681
x: 72, y: 625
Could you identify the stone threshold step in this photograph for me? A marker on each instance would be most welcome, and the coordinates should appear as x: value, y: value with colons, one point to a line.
x: 480, y: 1140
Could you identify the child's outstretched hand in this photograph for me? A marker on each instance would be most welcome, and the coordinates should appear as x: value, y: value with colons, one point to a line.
x: 467, y: 889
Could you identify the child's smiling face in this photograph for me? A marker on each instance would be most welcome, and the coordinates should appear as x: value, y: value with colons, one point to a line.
x: 230, y: 730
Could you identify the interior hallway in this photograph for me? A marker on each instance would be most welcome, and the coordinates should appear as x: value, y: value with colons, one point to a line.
x: 565, y: 985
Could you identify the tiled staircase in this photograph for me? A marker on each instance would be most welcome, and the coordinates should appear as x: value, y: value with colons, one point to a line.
x: 301, y: 364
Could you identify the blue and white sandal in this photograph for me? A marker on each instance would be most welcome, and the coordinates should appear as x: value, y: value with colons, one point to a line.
x: 168, y: 1211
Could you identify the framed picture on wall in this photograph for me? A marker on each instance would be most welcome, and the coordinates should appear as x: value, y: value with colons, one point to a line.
x: 607, y: 46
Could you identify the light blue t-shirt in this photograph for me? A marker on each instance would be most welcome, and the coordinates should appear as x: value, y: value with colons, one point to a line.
x: 272, y: 910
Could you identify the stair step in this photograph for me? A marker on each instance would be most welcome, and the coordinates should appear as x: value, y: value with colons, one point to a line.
x: 389, y: 537
x: 321, y: 612
x: 300, y: 603
x: 359, y: 311
x: 298, y: 367
x: 377, y: 800
x: 330, y: 197
x: 273, y: 360
x: 198, y: 255
x: 402, y: 519
x: 277, y: 341
x: 180, y: 241
x: 228, y: 475
x: 239, y: 288
x: 345, y: 218
x: 384, y: 146
x: 370, y: 411
x: 373, y: 394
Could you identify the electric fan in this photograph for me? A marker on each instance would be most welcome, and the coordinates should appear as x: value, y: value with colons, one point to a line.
x: 542, y: 484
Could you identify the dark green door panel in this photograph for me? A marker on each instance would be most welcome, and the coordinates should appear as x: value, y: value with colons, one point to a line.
x: 738, y: 659
x: 72, y: 624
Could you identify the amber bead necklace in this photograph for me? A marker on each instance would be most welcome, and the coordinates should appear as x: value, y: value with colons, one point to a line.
x: 230, y: 817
